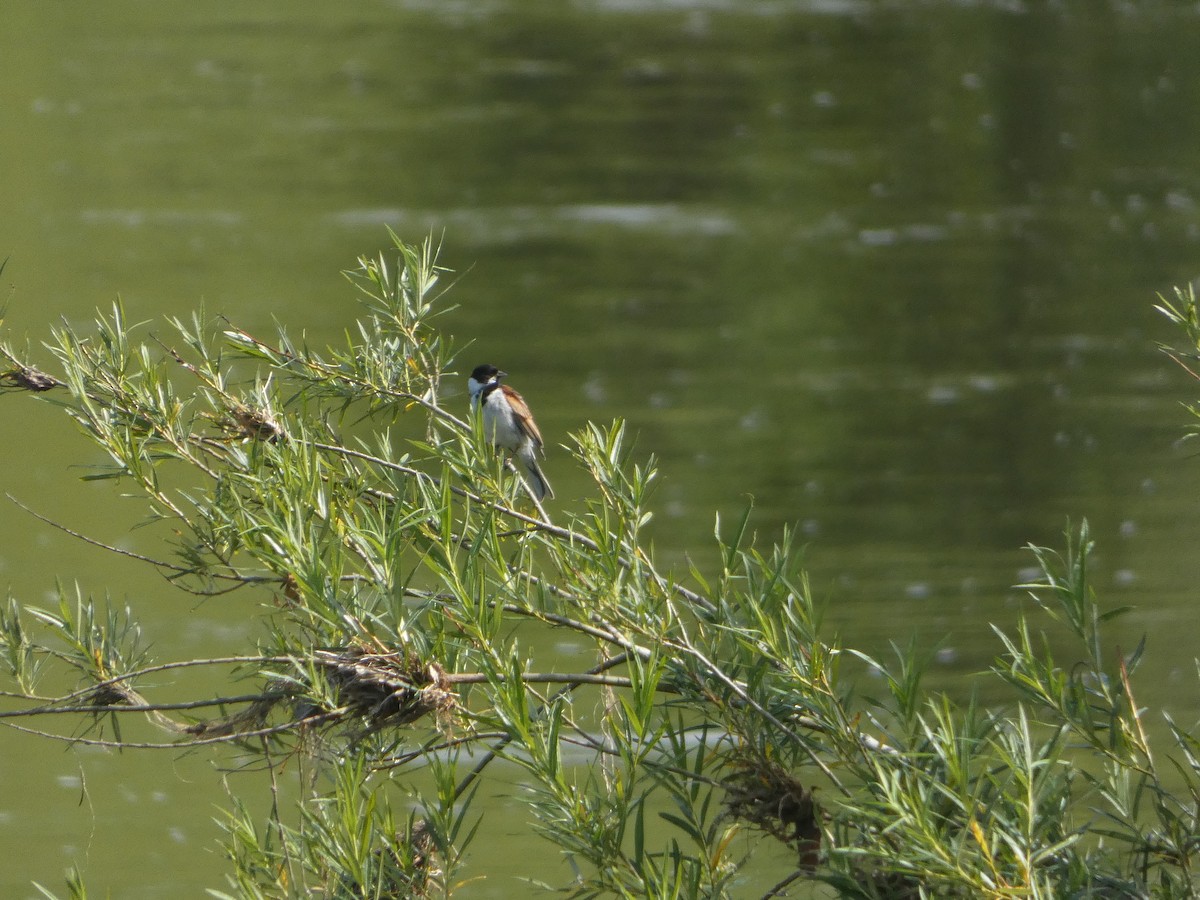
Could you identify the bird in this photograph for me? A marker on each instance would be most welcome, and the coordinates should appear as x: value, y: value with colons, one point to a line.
x: 509, y: 424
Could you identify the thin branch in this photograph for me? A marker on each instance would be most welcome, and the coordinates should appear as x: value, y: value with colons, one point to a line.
x: 129, y: 707
x: 97, y: 543
x: 1174, y: 357
x: 332, y: 373
x: 573, y: 679
x: 601, y: 634
x: 740, y: 690
x: 439, y: 746
x: 178, y: 664
x: 183, y: 745
x: 779, y: 888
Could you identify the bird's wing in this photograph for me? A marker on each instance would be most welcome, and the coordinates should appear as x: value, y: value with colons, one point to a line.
x: 524, y: 418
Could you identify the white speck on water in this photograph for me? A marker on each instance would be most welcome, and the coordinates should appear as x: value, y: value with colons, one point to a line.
x: 925, y: 233
x: 1180, y: 200
x: 593, y: 388
x: 985, y: 384
x: 1029, y: 575
x: 753, y: 420
x: 941, y: 394
x: 877, y: 237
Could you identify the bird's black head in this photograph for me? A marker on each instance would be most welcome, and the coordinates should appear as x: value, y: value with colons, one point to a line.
x: 485, y: 373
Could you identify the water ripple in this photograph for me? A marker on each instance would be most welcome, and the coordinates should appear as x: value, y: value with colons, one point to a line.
x: 521, y: 221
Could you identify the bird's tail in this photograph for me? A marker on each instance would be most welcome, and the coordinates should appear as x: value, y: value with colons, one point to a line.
x: 532, y: 473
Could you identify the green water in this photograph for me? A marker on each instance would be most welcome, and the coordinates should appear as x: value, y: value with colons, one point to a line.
x: 887, y: 269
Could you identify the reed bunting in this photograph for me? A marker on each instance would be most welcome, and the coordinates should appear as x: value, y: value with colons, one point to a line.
x: 509, y: 424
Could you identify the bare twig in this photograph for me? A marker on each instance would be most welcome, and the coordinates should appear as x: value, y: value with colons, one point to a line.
x: 158, y: 563
x: 106, y: 708
x: 778, y: 889
x: 298, y: 724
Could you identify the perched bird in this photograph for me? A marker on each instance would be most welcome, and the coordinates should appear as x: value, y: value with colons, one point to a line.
x: 509, y: 424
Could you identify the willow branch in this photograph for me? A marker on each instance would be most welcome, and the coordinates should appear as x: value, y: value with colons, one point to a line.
x: 327, y: 372
x: 105, y: 708
x: 185, y: 744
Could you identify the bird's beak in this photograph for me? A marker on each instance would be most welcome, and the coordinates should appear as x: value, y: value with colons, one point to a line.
x: 500, y: 375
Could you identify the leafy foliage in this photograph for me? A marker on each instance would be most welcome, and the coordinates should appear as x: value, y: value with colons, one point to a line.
x: 402, y: 576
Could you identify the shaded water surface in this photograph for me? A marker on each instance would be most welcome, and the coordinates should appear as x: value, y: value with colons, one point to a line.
x: 888, y: 270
